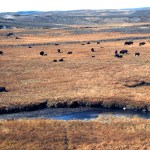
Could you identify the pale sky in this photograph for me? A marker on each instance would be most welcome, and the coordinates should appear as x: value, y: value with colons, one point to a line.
x: 50, y: 5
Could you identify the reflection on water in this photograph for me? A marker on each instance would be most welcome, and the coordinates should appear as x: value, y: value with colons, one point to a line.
x: 75, y: 114
x: 92, y: 114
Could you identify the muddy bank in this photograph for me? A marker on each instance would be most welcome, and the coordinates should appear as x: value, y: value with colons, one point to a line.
x: 29, y: 107
x: 109, y: 103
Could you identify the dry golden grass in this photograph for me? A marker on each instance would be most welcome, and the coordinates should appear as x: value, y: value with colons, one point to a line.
x: 31, y: 78
x: 81, y: 135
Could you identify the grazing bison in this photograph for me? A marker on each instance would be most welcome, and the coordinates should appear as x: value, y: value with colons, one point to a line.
x: 18, y: 37
x: 92, y: 50
x: 141, y: 43
x: 56, y: 44
x: 123, y: 51
x: 118, y: 56
x: 30, y: 46
x: 54, y: 60
x: 93, y: 56
x: 3, y: 89
x: 116, y: 52
x: 98, y: 42
x: 137, y: 54
x: 128, y: 43
x: 9, y: 34
x: 1, y: 53
x: 88, y: 43
x: 58, y: 51
x: 42, y: 53
x: 83, y: 44
x: 69, y: 52
x: 61, y: 60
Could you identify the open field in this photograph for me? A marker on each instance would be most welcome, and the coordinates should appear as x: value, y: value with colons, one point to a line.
x: 84, y: 78
x: 81, y: 135
x: 103, y: 79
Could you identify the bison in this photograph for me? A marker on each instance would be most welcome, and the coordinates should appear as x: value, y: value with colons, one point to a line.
x: 137, y: 54
x: 92, y: 50
x: 42, y: 53
x: 116, y: 52
x: 118, y: 56
x: 69, y: 52
x: 98, y: 42
x: 3, y: 89
x: 123, y: 51
x: 59, y: 51
x: 61, y: 60
x: 9, y: 34
x: 88, y: 43
x: 18, y: 37
x: 141, y: 43
x: 54, y: 60
x: 128, y: 43
x: 1, y: 53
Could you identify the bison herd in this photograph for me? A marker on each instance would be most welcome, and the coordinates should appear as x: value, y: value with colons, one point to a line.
x: 118, y: 54
x: 122, y: 52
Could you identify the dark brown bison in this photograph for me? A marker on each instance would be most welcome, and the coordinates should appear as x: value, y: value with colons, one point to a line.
x: 61, y: 60
x: 18, y: 37
x: 128, y: 43
x: 9, y: 34
x: 123, y: 51
x: 118, y: 56
x: 98, y: 42
x: 54, y: 60
x: 69, y: 52
x: 1, y: 53
x: 3, y: 89
x: 92, y: 50
x: 141, y: 43
x: 88, y: 43
x: 116, y: 52
x: 56, y: 44
x: 137, y: 54
x: 59, y: 51
x: 93, y: 56
x: 42, y: 53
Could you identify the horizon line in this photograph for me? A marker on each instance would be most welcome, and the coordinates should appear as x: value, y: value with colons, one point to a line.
x: 73, y: 10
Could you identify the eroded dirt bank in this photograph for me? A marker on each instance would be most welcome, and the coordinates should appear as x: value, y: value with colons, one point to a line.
x: 106, y: 103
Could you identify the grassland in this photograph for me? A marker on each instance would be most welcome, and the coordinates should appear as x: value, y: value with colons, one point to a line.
x: 32, y: 79
x: 103, y: 133
x: 35, y: 82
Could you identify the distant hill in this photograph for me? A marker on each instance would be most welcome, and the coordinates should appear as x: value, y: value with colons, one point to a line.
x: 27, y: 12
x: 38, y: 19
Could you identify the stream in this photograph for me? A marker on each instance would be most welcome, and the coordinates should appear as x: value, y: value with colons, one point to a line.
x: 81, y: 113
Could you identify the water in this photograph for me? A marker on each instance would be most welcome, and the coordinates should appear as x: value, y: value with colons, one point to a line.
x: 92, y: 114
x: 75, y: 114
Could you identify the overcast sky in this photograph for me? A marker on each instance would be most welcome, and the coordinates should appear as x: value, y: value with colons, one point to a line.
x: 48, y: 5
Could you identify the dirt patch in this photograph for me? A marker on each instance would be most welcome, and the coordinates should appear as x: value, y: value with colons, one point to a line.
x: 136, y: 83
